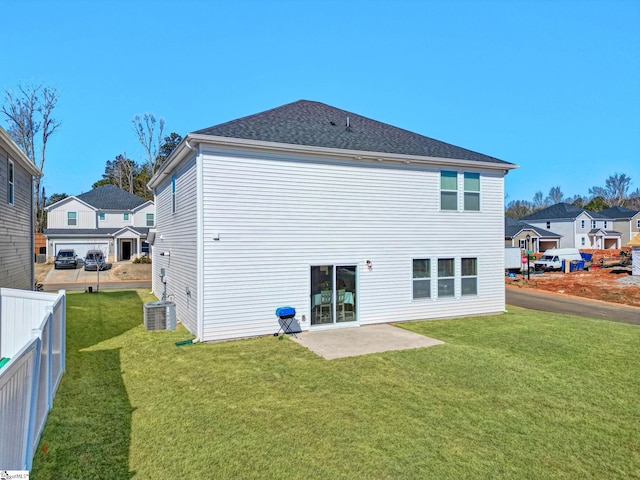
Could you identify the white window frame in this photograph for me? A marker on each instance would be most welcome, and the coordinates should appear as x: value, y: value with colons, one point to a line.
x: 593, y: 224
x: 152, y: 217
x: 446, y: 174
x: 102, y: 217
x: 464, y: 277
x: 11, y: 177
x: 173, y: 193
x: 75, y: 219
x: 450, y: 279
x: 548, y: 225
x: 582, y: 224
x: 606, y: 224
x: 125, y: 217
x: 426, y: 279
x: 470, y: 193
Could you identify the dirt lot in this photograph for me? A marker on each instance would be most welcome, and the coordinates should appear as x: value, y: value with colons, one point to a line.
x: 119, y: 271
x: 597, y: 283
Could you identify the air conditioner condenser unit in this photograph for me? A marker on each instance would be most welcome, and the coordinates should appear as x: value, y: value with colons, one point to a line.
x: 160, y: 315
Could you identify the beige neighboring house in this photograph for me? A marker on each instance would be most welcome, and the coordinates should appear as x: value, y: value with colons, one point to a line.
x: 17, y: 174
x: 527, y: 237
x: 106, y: 218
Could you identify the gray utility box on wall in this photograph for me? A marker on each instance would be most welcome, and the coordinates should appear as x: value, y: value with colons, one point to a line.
x: 160, y: 315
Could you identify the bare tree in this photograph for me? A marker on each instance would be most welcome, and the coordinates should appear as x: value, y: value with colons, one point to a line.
x: 538, y: 201
x: 149, y: 138
x: 28, y: 113
x: 555, y: 195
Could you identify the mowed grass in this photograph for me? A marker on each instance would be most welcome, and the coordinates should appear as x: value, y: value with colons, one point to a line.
x: 519, y: 395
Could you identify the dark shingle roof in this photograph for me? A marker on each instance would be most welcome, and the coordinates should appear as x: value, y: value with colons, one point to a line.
x: 618, y: 213
x: 317, y: 124
x: 559, y: 211
x: 513, y: 227
x: 110, y: 197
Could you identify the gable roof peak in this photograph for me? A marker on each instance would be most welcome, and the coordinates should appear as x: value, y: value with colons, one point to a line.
x: 316, y: 124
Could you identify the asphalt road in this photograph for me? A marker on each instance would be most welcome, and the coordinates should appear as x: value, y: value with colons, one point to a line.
x: 550, y: 302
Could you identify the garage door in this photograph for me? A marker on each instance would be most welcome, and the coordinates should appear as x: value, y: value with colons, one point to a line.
x: 81, y: 248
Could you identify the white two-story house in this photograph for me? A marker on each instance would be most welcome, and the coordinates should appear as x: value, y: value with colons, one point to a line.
x: 348, y: 220
x: 106, y: 218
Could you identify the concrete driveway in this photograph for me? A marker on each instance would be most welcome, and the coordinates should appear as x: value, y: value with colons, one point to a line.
x: 79, y: 279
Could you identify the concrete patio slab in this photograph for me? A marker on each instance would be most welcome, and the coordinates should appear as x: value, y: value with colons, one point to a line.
x: 351, y: 342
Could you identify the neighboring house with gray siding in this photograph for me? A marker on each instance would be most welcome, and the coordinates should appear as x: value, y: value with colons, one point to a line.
x: 17, y: 173
x: 106, y: 218
x: 349, y: 220
x: 579, y: 228
x: 623, y: 220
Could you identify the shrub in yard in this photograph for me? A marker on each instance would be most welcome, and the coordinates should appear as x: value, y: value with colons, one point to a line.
x: 142, y: 260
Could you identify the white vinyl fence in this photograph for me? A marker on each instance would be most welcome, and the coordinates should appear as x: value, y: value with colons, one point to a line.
x: 32, y: 337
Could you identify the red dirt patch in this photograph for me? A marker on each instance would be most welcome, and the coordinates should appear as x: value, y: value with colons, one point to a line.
x: 597, y: 283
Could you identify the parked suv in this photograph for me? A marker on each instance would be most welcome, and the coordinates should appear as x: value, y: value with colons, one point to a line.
x: 65, y: 259
x: 95, y: 260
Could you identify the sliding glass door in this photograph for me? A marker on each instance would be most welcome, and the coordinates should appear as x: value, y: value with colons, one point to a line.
x: 333, y: 294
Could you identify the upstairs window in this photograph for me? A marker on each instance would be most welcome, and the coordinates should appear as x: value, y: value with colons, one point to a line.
x: 125, y: 217
x: 173, y: 194
x: 102, y: 216
x: 10, y: 183
x: 448, y: 190
x: 469, y: 276
x: 593, y: 224
x: 582, y: 224
x: 548, y: 225
x: 606, y: 224
x: 472, y: 191
x: 446, y: 280
x: 150, y: 219
x: 421, y: 278
x: 72, y: 219
x: 638, y: 224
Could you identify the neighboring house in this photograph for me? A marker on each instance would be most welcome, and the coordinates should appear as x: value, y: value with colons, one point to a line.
x: 623, y: 220
x: 17, y: 175
x: 348, y: 220
x: 579, y: 228
x: 105, y: 218
x: 539, y: 240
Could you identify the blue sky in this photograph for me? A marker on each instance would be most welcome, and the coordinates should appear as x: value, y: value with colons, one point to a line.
x: 550, y: 85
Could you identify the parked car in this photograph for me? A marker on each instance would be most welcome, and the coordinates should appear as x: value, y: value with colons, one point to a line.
x: 65, y: 259
x: 94, y: 260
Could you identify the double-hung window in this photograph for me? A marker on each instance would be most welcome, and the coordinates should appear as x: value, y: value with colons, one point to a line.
x: 72, y: 219
x: 421, y: 278
x: 150, y: 219
x: 10, y: 182
x: 472, y: 191
x: 593, y: 224
x: 173, y: 194
x: 446, y: 277
x: 469, y: 276
x: 125, y: 217
x: 102, y: 216
x: 448, y: 190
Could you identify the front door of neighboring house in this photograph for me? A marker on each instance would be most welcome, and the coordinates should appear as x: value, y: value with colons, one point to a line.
x: 126, y: 250
x: 333, y: 294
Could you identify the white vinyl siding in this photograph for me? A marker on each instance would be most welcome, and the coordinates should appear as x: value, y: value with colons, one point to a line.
x: 275, y: 216
x: 176, y: 233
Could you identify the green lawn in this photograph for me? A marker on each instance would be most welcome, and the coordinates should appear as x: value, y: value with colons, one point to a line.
x: 520, y: 395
